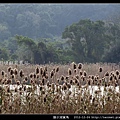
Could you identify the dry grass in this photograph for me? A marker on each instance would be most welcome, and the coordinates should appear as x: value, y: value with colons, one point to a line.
x: 55, y: 88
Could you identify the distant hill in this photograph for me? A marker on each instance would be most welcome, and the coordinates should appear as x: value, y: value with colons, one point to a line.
x: 48, y: 20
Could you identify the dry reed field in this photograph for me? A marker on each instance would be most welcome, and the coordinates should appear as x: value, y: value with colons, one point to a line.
x: 55, y: 88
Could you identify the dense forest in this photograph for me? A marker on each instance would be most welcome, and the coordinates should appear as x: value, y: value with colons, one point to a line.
x: 60, y: 33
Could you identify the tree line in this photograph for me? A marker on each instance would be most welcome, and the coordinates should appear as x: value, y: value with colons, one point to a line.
x: 83, y: 41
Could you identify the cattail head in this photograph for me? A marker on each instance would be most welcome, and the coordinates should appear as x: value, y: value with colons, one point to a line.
x: 34, y: 75
x: 77, y: 76
x: 43, y: 81
x: 106, y: 74
x: 117, y: 72
x: 51, y: 73
x: 1, y: 88
x: 75, y: 71
x: 115, y: 77
x: 81, y: 73
x: 62, y: 78
x: 90, y: 97
x: 11, y: 71
x: 37, y: 70
x: 9, y: 81
x: 44, y: 99
x: 20, y: 88
x: 111, y: 78
x: 53, y: 86
x: 93, y: 100
x: 64, y: 87
x: 88, y: 81
x: 68, y: 85
x: 24, y: 88
x: 31, y: 81
x: 8, y: 69
x: 3, y: 72
x: 46, y: 76
x: 18, y: 82
x: 41, y: 88
x: 16, y: 89
x: 0, y: 80
x: 46, y: 68
x: 8, y: 89
x: 15, y: 71
x: 31, y: 75
x: 67, y: 77
x: 85, y: 73
x: 119, y: 77
x: 41, y: 70
x: 74, y: 65
x: 92, y: 76
x: 100, y: 69
x: 80, y: 65
x: 57, y: 69
x: 37, y: 76
x: 13, y: 76
x: 71, y: 81
x: 43, y: 91
x: 26, y: 78
x: 76, y: 80
x: 58, y: 80
x: 69, y: 71
x: 48, y: 83
x: 21, y: 73
x: 108, y: 98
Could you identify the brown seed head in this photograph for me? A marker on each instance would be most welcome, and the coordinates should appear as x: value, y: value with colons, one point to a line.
x: 20, y: 88
x: 64, y: 87
x: 111, y: 78
x: 1, y: 88
x: 57, y: 69
x: 44, y: 99
x: 46, y: 68
x: 25, y: 88
x: 37, y: 70
x: 8, y: 89
x: 106, y: 74
x: 15, y: 71
x: 8, y: 69
x: 31, y: 75
x: 26, y: 78
x: 80, y: 65
x: 41, y: 70
x: 100, y: 69
x: 74, y: 65
x: 34, y: 75
x: 80, y: 73
x: 16, y: 89
x: 41, y: 88
x: 3, y: 72
x: 48, y: 83
x: 21, y: 73
x: 9, y: 81
x: 11, y: 71
x: 51, y: 73
x: 85, y: 73
x: 71, y: 81
x: 69, y: 85
x: 117, y: 72
x: 18, y: 82
x: 62, y: 78
x: 53, y: 86
x: 13, y: 76
x: 69, y: 71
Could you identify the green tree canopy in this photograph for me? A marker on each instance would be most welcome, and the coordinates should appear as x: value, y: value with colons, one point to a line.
x: 90, y: 39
